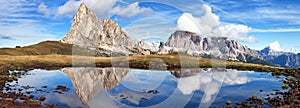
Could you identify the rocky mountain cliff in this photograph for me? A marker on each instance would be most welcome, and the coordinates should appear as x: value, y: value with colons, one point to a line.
x: 219, y: 47
x: 151, y: 46
x: 279, y: 58
x: 105, y: 37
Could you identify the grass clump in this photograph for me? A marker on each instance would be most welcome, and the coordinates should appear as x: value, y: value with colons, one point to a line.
x: 290, y: 79
x: 285, y: 86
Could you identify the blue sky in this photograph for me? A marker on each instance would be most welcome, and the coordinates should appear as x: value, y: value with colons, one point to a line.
x: 255, y: 23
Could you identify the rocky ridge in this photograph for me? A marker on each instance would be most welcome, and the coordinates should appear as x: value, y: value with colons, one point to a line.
x: 103, y: 37
x: 219, y: 47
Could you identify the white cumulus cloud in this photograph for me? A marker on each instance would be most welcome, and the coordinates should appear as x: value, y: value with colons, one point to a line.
x: 203, y: 25
x: 187, y: 22
x: 275, y: 46
x: 235, y: 31
x: 209, y: 25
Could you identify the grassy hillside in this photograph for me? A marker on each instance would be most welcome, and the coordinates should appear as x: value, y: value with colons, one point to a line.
x: 43, y: 48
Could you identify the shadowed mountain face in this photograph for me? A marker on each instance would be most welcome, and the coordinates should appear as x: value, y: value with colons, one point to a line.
x: 88, y: 81
x: 219, y: 47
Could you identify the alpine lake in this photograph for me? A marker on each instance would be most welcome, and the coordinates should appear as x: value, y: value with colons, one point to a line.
x: 81, y: 87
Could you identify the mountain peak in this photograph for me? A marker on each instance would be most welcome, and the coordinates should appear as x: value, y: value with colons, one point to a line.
x: 82, y: 9
x: 82, y: 5
x: 105, y: 36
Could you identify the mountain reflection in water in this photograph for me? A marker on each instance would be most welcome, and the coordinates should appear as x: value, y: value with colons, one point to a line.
x: 88, y: 81
x: 120, y: 87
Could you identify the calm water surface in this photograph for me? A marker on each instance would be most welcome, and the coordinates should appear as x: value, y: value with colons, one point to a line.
x: 119, y: 87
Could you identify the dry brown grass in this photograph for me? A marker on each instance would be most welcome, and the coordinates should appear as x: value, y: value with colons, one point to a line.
x: 68, y: 59
x: 141, y: 62
x: 58, y: 59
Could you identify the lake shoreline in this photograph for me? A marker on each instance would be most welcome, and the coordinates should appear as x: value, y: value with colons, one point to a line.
x: 42, y: 62
x: 156, y: 62
x: 250, y: 102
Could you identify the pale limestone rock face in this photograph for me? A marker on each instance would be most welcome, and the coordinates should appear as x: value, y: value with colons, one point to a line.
x: 221, y: 47
x: 105, y: 35
x: 88, y: 81
x: 150, y: 46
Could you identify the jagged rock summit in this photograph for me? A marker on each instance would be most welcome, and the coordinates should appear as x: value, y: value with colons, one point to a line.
x: 105, y: 36
x: 219, y: 47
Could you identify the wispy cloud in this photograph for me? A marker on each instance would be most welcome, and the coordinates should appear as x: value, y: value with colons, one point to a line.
x: 290, y: 14
x: 104, y: 8
x: 26, y: 33
x: 276, y: 14
x: 150, y: 27
x: 16, y: 9
x: 134, y: 10
x: 188, y: 6
x: 6, y: 38
x: 44, y: 10
x: 21, y: 24
x: 277, y: 30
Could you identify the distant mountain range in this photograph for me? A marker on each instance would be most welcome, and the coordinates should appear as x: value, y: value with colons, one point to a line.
x: 280, y: 58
